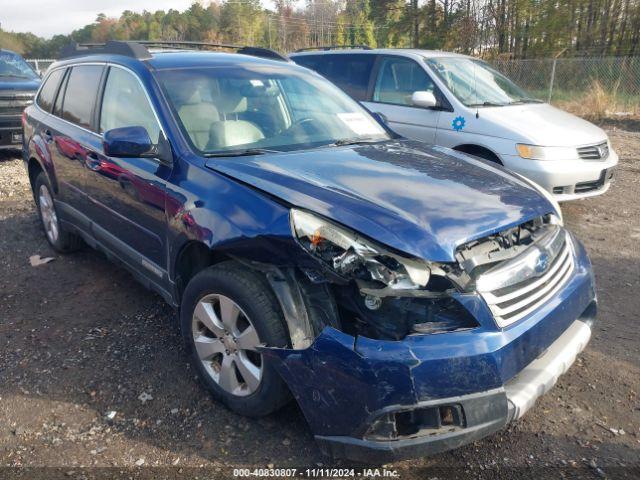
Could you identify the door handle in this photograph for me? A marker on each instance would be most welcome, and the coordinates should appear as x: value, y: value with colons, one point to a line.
x: 92, y: 161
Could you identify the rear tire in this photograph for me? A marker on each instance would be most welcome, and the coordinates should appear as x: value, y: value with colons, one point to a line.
x: 220, y: 306
x: 60, y: 239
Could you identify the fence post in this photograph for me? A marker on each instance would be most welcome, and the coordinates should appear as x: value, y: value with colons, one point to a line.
x: 553, y: 77
x: 553, y: 73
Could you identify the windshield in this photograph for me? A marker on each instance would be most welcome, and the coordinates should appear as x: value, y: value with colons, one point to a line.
x: 264, y: 107
x: 13, y: 65
x: 475, y: 83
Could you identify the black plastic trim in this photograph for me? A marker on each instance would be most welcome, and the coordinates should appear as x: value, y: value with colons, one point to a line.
x: 485, y: 413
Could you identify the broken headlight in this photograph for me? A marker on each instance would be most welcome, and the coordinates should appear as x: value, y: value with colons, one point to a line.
x: 354, y: 257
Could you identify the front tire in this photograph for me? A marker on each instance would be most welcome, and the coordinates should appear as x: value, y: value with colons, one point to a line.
x: 226, y: 312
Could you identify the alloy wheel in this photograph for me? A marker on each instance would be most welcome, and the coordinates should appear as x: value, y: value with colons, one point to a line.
x: 225, y: 340
x: 48, y: 214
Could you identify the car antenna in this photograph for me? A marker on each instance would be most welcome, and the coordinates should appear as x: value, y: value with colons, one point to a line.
x: 475, y: 90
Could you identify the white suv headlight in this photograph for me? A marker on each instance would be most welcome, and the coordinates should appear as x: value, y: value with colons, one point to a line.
x: 354, y: 257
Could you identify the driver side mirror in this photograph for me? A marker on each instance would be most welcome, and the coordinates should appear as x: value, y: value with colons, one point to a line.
x: 423, y: 99
x: 128, y: 142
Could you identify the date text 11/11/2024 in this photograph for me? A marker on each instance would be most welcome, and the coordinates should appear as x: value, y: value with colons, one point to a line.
x: 316, y: 472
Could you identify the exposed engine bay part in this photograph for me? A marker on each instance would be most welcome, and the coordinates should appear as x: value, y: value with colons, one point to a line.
x: 532, y: 262
x: 307, y: 307
x: 391, y: 292
x: 396, y: 317
x: 477, y: 257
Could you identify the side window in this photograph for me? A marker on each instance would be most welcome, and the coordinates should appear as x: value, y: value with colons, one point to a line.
x: 350, y: 72
x: 125, y: 104
x: 309, y: 61
x: 57, y: 108
x: 48, y: 91
x: 398, y: 78
x: 80, y: 94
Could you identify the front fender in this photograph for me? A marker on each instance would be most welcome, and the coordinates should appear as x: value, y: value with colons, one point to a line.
x: 229, y: 218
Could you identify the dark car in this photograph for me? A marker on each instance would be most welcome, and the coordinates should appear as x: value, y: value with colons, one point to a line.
x: 410, y: 299
x: 18, y: 85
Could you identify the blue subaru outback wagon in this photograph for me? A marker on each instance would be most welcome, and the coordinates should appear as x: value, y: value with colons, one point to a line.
x: 410, y: 298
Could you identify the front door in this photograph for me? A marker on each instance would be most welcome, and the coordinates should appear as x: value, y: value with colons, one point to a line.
x: 128, y: 194
x: 396, y: 80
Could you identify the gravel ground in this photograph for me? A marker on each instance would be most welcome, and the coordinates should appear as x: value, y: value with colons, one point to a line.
x: 94, y: 381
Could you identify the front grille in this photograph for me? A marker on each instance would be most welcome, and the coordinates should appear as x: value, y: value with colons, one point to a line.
x: 12, y: 110
x: 510, y: 304
x: 15, y: 102
x: 7, y: 123
x: 594, y: 152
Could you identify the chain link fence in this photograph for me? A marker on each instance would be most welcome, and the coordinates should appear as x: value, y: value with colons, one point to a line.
x: 40, y: 65
x: 609, y: 83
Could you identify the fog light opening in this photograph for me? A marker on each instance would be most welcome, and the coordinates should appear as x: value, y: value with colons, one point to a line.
x: 418, y: 422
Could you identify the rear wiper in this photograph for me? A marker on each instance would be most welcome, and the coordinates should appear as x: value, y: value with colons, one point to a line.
x: 240, y: 153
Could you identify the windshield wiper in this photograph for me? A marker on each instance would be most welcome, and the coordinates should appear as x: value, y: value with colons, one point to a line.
x: 355, y: 141
x: 487, y: 104
x: 240, y: 153
x: 526, y: 100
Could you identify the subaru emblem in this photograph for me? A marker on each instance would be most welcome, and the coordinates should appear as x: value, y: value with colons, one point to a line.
x: 542, y: 263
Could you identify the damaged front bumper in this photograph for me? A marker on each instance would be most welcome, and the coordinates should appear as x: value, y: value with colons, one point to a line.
x: 382, y: 400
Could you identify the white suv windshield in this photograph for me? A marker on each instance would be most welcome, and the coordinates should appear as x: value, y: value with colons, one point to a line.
x: 475, y: 83
x: 225, y: 109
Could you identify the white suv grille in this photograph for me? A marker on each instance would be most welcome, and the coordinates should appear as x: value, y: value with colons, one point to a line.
x: 510, y: 304
x: 594, y: 152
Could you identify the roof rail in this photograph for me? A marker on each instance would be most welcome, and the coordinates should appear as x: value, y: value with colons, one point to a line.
x: 128, y: 49
x: 333, y: 47
x: 139, y: 48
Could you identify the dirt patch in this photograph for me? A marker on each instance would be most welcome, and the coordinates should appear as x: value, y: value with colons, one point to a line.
x: 80, y: 339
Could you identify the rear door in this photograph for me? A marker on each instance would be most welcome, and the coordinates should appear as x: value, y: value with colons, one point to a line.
x: 128, y: 194
x: 72, y: 138
x: 395, y: 80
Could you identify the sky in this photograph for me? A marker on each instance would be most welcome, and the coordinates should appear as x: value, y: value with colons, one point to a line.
x: 46, y: 18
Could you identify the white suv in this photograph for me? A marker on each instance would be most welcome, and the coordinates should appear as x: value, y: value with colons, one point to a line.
x: 462, y: 103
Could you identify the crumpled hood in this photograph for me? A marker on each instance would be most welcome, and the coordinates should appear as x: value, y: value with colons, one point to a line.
x: 419, y: 199
x: 542, y: 124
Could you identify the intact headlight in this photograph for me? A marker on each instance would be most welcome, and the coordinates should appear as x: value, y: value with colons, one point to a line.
x: 354, y: 257
x: 537, y: 152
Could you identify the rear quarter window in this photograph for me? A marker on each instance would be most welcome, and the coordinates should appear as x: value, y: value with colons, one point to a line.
x: 47, y: 94
x: 350, y: 72
x: 80, y: 94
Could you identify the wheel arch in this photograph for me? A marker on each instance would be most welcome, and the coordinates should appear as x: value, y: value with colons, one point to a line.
x: 33, y: 169
x: 479, y: 151
x: 193, y: 257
